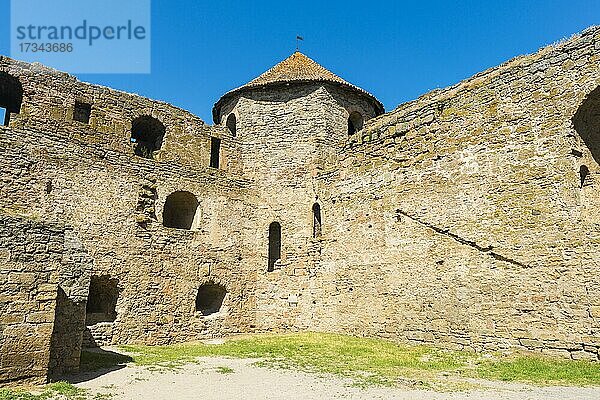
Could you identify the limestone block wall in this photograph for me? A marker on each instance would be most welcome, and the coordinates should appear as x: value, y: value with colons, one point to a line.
x: 460, y: 218
x: 42, y: 269
x: 463, y: 218
x: 59, y: 169
x: 69, y: 313
x: 288, y: 135
x: 115, y: 203
x: 288, y: 132
x: 48, y: 105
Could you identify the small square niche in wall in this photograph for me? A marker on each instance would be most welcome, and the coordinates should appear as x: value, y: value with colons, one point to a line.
x: 82, y: 112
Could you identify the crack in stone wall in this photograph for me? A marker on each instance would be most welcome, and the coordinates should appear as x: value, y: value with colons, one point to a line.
x: 446, y: 232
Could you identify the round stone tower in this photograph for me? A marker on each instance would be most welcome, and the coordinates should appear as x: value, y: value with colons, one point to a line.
x: 290, y: 123
x: 295, y: 115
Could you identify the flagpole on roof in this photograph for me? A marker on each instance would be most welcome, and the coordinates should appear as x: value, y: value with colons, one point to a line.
x: 298, y: 39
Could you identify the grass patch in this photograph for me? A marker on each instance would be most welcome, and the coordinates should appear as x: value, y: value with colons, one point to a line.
x: 90, y: 361
x: 365, y: 361
x: 376, y: 361
x: 535, y: 369
x: 62, y: 390
x: 224, y: 370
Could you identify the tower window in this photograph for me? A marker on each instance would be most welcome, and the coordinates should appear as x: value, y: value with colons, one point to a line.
x: 274, y: 245
x: 102, y: 300
x: 355, y: 123
x: 11, y: 96
x: 583, y: 174
x: 231, y: 123
x: 317, y: 229
x: 215, y: 149
x: 210, y: 298
x: 147, y: 133
x: 82, y: 112
x: 180, y: 210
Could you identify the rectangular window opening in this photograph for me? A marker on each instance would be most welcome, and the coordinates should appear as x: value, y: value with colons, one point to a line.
x: 82, y: 112
x: 215, y: 147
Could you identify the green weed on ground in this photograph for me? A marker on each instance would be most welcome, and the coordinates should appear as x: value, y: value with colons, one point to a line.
x: 61, y: 390
x: 540, y: 370
x: 365, y: 361
x: 376, y: 361
x: 224, y: 370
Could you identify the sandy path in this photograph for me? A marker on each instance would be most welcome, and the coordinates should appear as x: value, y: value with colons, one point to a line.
x: 204, y: 381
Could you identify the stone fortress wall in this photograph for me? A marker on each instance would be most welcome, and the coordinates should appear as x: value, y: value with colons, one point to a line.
x: 472, y: 212
x: 466, y: 218
x: 284, y: 165
x: 44, y: 276
x: 87, y: 176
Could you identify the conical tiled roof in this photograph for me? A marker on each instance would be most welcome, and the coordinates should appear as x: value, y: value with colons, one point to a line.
x: 296, y: 68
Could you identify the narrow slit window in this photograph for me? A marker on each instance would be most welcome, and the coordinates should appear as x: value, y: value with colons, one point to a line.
x: 274, y: 245
x: 215, y: 149
x: 317, y: 227
x: 583, y: 174
x: 82, y: 112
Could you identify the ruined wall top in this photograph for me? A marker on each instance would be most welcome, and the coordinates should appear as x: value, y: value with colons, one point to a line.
x: 48, y: 100
x: 40, y: 98
x: 417, y: 113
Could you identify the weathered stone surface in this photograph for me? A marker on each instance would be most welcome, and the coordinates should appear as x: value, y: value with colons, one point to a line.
x: 32, y: 346
x: 463, y: 218
x: 476, y: 216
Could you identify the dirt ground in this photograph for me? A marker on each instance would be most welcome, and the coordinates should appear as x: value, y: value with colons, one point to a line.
x: 227, y: 378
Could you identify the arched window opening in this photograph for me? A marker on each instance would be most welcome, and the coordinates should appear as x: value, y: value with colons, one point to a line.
x: 147, y: 133
x: 231, y: 123
x: 11, y: 96
x: 355, y: 123
x: 587, y: 122
x: 583, y: 174
x: 180, y: 210
x: 210, y: 298
x: 274, y: 245
x: 102, y: 300
x: 317, y: 229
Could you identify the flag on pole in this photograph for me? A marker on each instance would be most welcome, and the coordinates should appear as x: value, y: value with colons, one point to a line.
x: 298, y: 39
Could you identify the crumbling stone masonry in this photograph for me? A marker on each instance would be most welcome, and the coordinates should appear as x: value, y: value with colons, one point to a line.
x: 467, y: 218
x: 44, y: 275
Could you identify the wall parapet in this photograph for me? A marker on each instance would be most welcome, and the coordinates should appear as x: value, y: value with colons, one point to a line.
x: 56, y: 102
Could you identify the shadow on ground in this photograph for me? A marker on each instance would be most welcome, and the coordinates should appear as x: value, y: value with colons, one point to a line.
x: 96, y: 362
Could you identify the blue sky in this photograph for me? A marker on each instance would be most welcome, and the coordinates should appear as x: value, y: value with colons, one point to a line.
x: 396, y: 50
